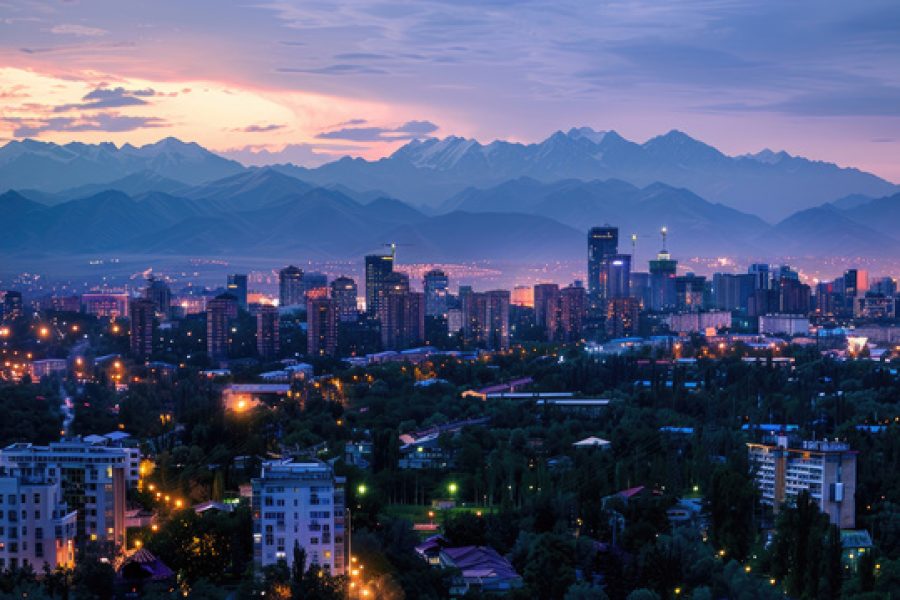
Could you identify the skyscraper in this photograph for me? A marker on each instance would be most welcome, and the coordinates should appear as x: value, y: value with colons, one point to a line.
x: 378, y: 266
x: 762, y: 277
x: 141, y: 312
x: 617, y: 275
x: 603, y: 242
x: 321, y: 327
x: 290, y: 286
x: 662, y: 278
x: 219, y: 313
x: 267, y: 332
x: 436, y: 284
x: 237, y: 287
x: 344, y: 293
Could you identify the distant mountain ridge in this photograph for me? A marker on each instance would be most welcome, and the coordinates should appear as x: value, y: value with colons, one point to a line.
x: 769, y: 184
x: 426, y: 172
x: 49, y: 167
x: 264, y: 212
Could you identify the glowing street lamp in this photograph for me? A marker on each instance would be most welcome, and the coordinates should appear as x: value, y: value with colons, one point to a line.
x: 453, y: 488
x: 361, y: 489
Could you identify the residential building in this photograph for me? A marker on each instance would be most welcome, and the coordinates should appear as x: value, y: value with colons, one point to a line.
x: 572, y: 311
x: 142, y: 312
x: 344, y: 293
x: 37, y: 529
x: 267, y: 330
x: 102, y: 304
x: 290, y: 286
x: 237, y: 286
x: 220, y: 311
x: 299, y: 504
x: 622, y: 317
x: 825, y: 469
x: 662, y: 281
x: 436, y: 285
x: 158, y: 292
x: 93, y: 479
x: 321, y: 327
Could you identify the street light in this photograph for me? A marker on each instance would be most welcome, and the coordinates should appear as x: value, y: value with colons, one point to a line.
x: 361, y: 489
x: 453, y: 488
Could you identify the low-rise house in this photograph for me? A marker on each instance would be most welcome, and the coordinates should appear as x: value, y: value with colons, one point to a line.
x: 481, y: 569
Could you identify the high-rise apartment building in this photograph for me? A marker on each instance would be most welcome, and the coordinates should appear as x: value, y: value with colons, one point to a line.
x: 546, y: 308
x: 315, y: 285
x: 142, y: 311
x: 826, y: 470
x: 237, y: 287
x: 321, y: 327
x: 344, y: 293
x: 689, y: 292
x: 220, y: 311
x: 267, y: 330
x: 158, y: 292
x: 401, y: 313
x: 622, y: 317
x: 290, y: 286
x: 299, y: 504
x: 436, y: 285
x: 732, y: 291
x: 378, y: 266
x: 486, y: 319
x: 572, y: 310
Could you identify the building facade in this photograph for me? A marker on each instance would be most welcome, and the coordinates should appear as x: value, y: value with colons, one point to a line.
x: 267, y: 326
x: 299, y: 504
x: 290, y: 286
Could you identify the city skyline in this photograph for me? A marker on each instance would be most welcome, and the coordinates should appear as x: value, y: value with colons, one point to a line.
x: 361, y: 78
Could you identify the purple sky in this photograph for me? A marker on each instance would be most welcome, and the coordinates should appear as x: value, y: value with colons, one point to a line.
x: 307, y: 81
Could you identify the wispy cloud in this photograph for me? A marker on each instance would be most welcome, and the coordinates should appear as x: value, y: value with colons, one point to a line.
x: 77, y: 30
x: 408, y: 131
x: 110, y: 122
x: 260, y: 128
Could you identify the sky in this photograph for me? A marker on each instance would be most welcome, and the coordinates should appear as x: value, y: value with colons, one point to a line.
x: 274, y: 81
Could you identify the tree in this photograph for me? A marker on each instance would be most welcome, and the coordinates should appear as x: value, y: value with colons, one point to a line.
x: 549, y: 569
x: 731, y: 502
x: 585, y: 591
x: 92, y: 578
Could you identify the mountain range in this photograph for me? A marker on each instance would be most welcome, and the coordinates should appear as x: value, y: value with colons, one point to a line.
x: 771, y: 185
x: 178, y: 198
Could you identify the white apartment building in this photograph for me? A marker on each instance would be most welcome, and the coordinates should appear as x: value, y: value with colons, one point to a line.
x: 826, y: 470
x: 299, y: 503
x: 36, y: 527
x: 92, y: 479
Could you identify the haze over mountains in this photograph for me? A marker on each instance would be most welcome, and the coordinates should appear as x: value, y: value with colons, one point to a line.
x: 451, y: 199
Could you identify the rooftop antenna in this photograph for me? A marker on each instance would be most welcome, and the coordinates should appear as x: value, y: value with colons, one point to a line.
x: 633, y: 248
x: 664, y: 232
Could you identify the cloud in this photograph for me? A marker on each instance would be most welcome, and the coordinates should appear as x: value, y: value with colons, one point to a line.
x: 339, y: 69
x: 101, y: 97
x: 109, y: 122
x: 408, y: 131
x: 259, y: 128
x: 77, y: 30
